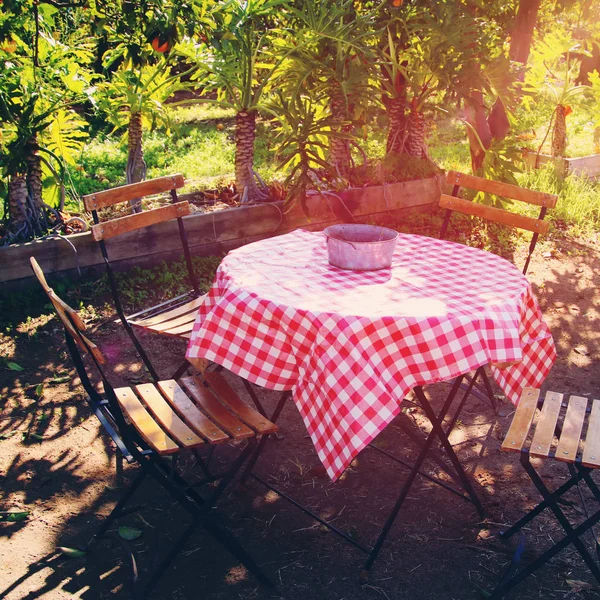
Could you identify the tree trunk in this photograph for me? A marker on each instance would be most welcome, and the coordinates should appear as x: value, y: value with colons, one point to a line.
x: 497, y: 125
x: 522, y: 33
x: 245, y: 132
x: 339, y: 149
x: 136, y: 166
x: 17, y: 202
x: 559, y: 132
x: 397, y: 125
x: 34, y: 174
x: 478, y: 143
x: 415, y: 141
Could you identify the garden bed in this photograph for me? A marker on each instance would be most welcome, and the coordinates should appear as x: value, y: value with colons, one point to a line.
x: 218, y: 231
x: 588, y: 166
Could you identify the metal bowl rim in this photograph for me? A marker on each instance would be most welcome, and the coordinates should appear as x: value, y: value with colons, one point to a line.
x: 327, y: 232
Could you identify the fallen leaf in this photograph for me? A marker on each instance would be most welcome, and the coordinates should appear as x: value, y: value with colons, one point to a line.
x: 578, y: 586
x: 129, y: 533
x: 13, y: 366
x: 14, y: 516
x: 581, y: 350
x: 71, y: 552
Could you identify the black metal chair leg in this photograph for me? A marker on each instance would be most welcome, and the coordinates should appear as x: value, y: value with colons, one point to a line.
x: 185, y: 365
x: 197, y: 507
x: 235, y: 467
x: 500, y: 591
x: 560, y: 516
x: 436, y: 422
x: 261, y: 444
x: 534, y: 512
x: 158, y: 572
x: 254, y: 397
x: 488, y: 388
x: 119, y: 479
x: 118, y: 508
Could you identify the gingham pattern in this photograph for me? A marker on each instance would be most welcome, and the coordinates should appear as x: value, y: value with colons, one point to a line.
x: 350, y: 345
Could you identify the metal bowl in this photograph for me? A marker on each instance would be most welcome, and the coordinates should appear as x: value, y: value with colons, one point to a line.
x: 360, y: 247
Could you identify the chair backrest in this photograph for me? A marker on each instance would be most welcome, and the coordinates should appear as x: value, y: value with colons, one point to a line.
x: 113, y: 227
x: 107, y: 410
x: 497, y: 215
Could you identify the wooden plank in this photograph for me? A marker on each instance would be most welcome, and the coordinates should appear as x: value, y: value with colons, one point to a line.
x: 521, y: 423
x: 76, y: 319
x: 191, y: 306
x: 546, y: 425
x: 245, y: 412
x: 121, y: 225
x: 180, y: 331
x: 191, y: 413
x: 132, y: 191
x: 214, y: 409
x: 83, y: 343
x: 506, y: 190
x: 492, y: 213
x: 591, y: 447
x: 147, y: 427
x: 568, y: 443
x: 167, y: 417
x: 64, y: 307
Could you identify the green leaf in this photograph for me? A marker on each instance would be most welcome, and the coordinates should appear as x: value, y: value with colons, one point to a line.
x: 8, y: 434
x: 14, y: 516
x: 57, y: 380
x: 129, y: 533
x: 37, y: 436
x: 39, y: 390
x: 13, y: 366
x: 71, y: 552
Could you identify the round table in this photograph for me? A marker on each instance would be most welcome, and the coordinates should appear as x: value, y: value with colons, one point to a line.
x: 350, y: 345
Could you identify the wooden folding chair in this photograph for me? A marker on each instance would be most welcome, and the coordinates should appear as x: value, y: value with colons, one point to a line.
x: 497, y: 215
x: 568, y: 432
x: 152, y: 421
x: 176, y: 316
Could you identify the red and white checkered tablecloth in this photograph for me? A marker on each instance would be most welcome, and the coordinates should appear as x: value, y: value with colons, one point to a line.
x: 350, y: 345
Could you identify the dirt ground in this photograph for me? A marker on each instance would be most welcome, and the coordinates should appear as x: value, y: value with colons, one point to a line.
x: 56, y: 464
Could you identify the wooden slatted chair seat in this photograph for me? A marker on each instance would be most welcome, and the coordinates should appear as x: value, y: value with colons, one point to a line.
x: 566, y: 431
x: 497, y: 215
x: 158, y: 418
x: 175, y: 317
x: 576, y: 440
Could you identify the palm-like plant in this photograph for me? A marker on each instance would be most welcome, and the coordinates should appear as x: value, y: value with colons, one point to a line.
x: 238, y: 62
x: 134, y: 98
x: 563, y: 97
x: 40, y: 133
x: 333, y: 60
x: 553, y: 68
x: 304, y: 130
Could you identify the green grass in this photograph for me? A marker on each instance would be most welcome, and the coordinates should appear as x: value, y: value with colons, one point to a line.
x: 196, y: 113
x: 577, y: 204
